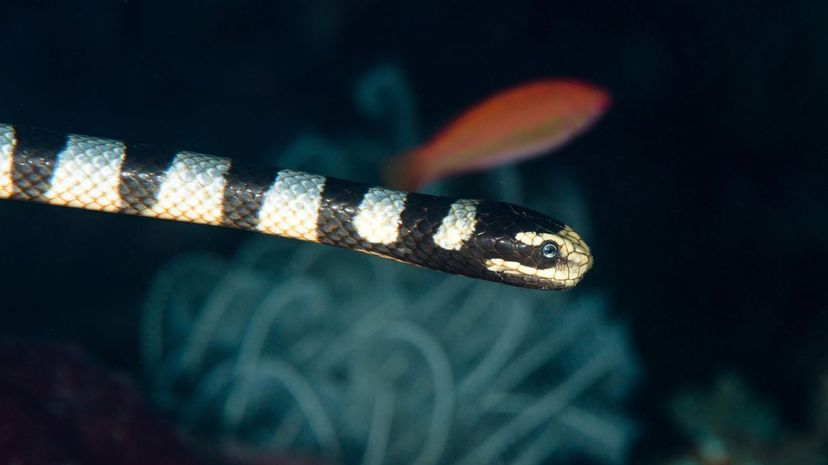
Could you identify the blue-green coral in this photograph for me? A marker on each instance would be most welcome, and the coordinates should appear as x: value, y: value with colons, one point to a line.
x: 365, y: 361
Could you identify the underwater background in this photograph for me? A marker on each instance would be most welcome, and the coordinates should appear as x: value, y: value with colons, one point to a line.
x: 700, y: 336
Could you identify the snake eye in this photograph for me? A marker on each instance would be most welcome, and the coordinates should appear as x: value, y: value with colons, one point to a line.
x: 549, y: 249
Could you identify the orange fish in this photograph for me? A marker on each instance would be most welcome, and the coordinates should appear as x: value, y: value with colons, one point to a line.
x: 518, y: 123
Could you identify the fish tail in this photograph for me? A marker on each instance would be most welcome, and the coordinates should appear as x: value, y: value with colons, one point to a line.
x: 402, y: 172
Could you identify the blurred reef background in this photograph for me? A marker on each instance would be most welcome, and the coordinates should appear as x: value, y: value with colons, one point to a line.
x: 698, y: 338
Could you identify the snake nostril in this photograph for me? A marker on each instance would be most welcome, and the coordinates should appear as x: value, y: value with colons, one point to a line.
x: 579, y: 258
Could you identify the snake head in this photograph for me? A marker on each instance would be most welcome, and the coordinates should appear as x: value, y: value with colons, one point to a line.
x: 525, y: 248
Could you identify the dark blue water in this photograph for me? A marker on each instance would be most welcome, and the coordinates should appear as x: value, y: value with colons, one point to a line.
x: 705, y: 184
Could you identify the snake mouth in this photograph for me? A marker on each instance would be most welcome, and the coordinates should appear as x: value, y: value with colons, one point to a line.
x: 562, y: 276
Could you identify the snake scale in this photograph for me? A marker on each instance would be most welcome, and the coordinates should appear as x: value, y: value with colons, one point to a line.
x: 482, y: 239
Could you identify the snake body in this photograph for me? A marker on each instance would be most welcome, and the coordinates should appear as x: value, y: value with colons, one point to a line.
x: 478, y: 238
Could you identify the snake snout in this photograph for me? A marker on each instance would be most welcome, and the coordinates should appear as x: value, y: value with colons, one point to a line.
x: 577, y: 258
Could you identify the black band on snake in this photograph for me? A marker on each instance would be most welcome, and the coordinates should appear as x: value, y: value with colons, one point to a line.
x: 478, y: 238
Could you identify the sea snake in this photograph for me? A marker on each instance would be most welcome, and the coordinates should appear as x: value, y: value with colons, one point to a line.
x: 478, y: 238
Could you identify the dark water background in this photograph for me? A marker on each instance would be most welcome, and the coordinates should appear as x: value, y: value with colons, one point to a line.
x: 707, y: 180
